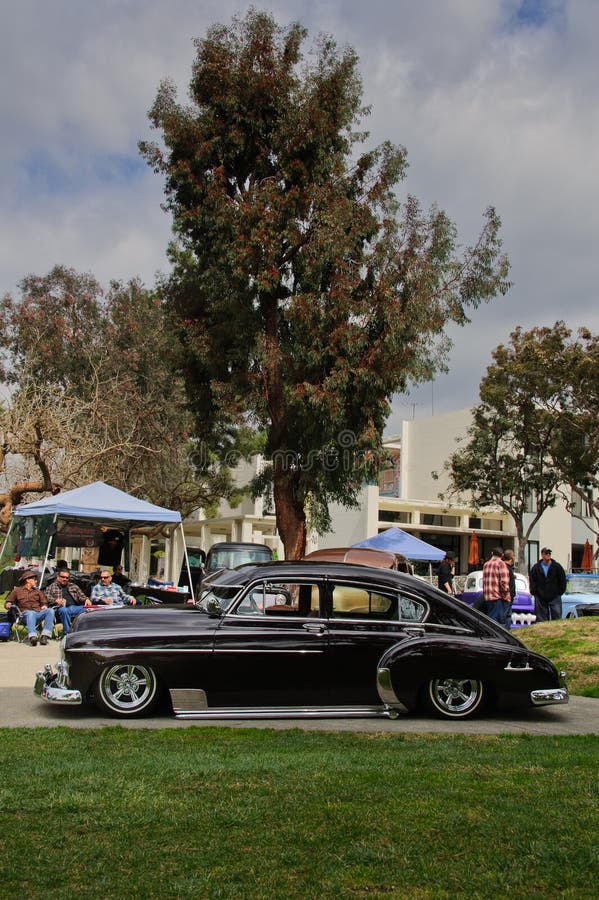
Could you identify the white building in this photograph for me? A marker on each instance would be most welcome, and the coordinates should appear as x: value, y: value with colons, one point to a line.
x: 407, y: 496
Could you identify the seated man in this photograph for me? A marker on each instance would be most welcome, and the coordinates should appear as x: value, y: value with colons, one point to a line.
x: 67, y: 597
x: 107, y: 592
x: 33, y: 607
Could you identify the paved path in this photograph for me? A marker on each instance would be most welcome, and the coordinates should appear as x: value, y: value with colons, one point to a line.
x: 19, y: 707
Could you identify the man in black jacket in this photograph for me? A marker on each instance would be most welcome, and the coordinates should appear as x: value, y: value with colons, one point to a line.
x: 547, y: 584
x: 446, y: 572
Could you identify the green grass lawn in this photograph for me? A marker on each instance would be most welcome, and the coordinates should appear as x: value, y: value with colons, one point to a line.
x: 253, y: 813
x: 573, y: 645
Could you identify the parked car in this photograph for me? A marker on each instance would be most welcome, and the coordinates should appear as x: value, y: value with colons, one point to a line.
x: 523, y: 607
x: 228, y: 554
x: 363, y: 556
x: 295, y: 639
x: 581, y: 590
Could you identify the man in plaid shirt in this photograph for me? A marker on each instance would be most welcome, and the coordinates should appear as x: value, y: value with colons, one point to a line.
x: 496, y: 587
x: 107, y: 593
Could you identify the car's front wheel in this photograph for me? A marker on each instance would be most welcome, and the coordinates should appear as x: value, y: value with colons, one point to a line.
x: 454, y: 697
x: 127, y: 689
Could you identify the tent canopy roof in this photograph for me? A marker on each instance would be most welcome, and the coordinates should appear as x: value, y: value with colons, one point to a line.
x: 100, y: 502
x: 398, y: 541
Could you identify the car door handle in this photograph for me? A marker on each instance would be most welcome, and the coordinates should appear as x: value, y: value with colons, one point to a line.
x: 414, y: 629
x: 314, y: 627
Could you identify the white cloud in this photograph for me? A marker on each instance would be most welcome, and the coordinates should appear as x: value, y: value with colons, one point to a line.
x: 494, y: 107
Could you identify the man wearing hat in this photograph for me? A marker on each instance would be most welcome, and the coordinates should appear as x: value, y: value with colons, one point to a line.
x: 33, y: 607
x: 547, y: 584
x: 446, y: 572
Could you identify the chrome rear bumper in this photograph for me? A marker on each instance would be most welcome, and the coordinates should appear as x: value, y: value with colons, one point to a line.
x: 551, y: 695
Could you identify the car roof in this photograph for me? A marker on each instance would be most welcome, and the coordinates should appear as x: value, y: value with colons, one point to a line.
x: 307, y: 568
x: 238, y: 545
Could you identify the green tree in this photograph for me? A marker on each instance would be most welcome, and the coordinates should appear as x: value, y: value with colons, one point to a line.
x: 95, y: 395
x: 534, y: 435
x: 304, y: 292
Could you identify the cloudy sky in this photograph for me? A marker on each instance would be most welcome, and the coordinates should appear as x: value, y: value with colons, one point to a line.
x: 496, y: 101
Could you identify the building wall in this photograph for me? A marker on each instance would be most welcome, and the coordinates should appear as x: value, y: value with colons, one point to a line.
x: 425, y: 445
x: 352, y: 525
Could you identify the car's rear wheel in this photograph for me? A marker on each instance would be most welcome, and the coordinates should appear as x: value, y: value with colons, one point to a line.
x: 127, y: 689
x: 454, y: 697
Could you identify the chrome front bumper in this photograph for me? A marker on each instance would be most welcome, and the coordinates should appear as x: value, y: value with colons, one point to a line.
x: 50, y: 686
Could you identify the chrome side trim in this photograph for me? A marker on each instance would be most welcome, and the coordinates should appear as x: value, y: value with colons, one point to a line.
x: 287, y: 712
x: 549, y: 696
x: 140, y: 650
x: 386, y: 692
x: 188, y: 699
x: 511, y: 668
x: 270, y: 651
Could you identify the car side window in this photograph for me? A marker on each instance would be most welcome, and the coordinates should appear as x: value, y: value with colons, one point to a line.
x: 350, y: 601
x: 280, y: 598
x: 410, y: 609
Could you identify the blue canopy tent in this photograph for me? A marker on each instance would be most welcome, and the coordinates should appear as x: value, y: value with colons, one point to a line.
x: 398, y: 541
x: 103, y: 504
x: 100, y: 502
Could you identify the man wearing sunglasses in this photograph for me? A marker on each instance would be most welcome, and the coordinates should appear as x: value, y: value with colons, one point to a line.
x: 107, y: 593
x: 67, y: 598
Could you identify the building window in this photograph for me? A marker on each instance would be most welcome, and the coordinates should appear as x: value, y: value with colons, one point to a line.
x: 582, y: 503
x: 390, y: 515
x: 474, y: 522
x: 531, y: 502
x: 493, y: 524
x: 531, y: 555
x: 444, y: 521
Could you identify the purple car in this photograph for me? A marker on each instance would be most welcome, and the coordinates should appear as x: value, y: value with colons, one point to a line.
x: 523, y: 608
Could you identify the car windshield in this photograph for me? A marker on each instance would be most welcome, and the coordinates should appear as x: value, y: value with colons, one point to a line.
x: 229, y: 558
x: 218, y: 597
x: 578, y: 584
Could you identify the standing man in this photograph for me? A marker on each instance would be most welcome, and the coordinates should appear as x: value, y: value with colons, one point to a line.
x: 547, y: 584
x: 496, y: 586
x: 33, y: 607
x: 508, y: 558
x: 69, y: 599
x: 446, y: 572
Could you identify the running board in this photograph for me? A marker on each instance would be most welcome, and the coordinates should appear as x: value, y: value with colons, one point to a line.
x: 184, y: 707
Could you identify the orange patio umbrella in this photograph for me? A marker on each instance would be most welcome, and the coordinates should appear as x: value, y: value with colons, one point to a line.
x: 587, y: 558
x: 473, y: 558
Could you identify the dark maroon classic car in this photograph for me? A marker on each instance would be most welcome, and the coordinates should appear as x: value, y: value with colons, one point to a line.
x: 300, y: 639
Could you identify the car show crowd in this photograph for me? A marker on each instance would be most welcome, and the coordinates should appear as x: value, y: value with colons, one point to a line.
x: 62, y: 600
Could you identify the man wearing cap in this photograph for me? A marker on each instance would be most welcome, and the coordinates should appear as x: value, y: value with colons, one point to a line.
x: 547, y: 584
x: 445, y: 574
x: 33, y: 607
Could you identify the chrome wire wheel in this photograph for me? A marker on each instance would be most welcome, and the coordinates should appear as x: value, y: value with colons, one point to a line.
x: 455, y: 698
x: 127, y: 690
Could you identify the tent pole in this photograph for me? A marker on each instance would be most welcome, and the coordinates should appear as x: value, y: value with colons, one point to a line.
x: 191, y: 595
x: 47, y: 552
x: 8, y: 534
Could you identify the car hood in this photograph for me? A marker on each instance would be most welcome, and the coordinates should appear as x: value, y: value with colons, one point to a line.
x: 142, y: 619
